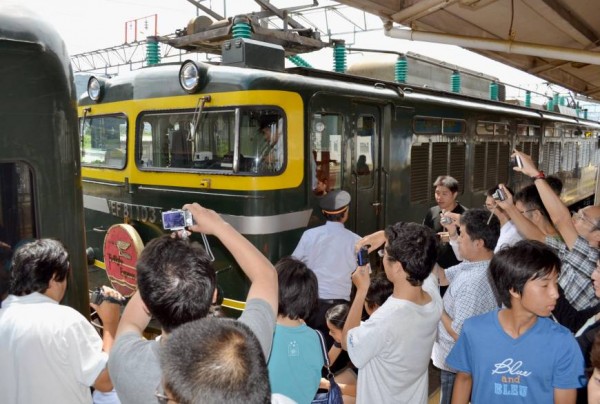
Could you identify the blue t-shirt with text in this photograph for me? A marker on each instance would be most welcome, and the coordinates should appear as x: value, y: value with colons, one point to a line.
x: 526, y: 369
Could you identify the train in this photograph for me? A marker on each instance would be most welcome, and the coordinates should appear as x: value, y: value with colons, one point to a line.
x: 40, y: 173
x: 156, y: 138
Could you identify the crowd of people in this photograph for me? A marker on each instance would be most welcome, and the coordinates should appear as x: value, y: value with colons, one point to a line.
x: 503, y: 299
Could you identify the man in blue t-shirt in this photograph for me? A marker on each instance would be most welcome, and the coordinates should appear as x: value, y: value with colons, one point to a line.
x: 516, y: 354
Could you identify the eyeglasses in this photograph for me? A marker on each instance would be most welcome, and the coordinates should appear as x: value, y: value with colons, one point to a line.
x: 163, y: 399
x: 581, y: 216
x: 489, y: 207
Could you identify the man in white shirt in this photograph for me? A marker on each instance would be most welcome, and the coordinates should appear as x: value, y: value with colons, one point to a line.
x: 50, y: 353
x: 328, y: 250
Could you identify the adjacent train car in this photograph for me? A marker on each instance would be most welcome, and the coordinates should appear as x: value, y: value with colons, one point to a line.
x: 40, y: 178
x: 260, y: 145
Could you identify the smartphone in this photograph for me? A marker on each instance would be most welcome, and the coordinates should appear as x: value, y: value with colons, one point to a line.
x: 177, y: 219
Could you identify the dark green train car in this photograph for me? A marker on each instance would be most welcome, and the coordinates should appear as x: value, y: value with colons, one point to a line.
x: 159, y: 137
x: 40, y: 179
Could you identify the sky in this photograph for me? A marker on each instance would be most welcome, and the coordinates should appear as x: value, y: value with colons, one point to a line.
x: 88, y: 25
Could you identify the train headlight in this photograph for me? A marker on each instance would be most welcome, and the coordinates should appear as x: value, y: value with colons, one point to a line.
x: 95, y: 88
x: 189, y: 76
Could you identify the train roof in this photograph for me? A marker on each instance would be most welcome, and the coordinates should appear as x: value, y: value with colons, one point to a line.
x: 163, y: 81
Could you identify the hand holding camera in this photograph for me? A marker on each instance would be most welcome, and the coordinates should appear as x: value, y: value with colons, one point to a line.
x: 99, y: 295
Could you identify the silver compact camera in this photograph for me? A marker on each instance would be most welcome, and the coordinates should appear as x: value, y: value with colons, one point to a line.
x: 445, y: 220
x: 516, y: 162
x: 97, y: 296
x: 499, y: 195
x: 177, y: 219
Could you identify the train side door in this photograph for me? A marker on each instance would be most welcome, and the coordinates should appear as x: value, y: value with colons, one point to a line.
x: 364, y: 157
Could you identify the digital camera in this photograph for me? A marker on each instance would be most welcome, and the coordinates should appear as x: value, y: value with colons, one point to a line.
x: 177, y: 219
x: 499, y: 195
x: 362, y: 257
x: 516, y: 162
x: 97, y: 297
x: 445, y: 220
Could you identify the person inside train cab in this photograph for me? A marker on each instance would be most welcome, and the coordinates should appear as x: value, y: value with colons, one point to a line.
x: 50, y: 352
x: 272, y: 151
x: 177, y: 285
x: 446, y: 194
x: 180, y: 145
x: 580, y: 234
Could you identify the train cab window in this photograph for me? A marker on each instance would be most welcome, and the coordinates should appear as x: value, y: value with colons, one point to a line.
x: 326, y: 143
x: 104, y: 141
x: 17, y: 205
x: 185, y: 141
x: 549, y: 131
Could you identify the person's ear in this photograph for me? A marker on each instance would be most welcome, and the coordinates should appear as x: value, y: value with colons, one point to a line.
x: 215, y: 295
x: 514, y: 293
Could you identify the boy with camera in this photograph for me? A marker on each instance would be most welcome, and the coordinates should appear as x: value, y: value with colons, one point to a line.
x: 392, y: 358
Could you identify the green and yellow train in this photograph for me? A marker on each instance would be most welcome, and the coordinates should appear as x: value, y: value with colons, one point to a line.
x: 156, y: 138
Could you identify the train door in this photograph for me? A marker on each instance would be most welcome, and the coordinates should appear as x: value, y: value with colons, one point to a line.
x: 345, y: 139
x: 365, y: 168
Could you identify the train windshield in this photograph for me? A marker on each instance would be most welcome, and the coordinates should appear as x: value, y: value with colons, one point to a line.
x: 249, y: 140
x: 104, y: 141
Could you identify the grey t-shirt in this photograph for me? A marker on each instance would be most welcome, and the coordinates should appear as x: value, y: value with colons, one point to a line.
x: 134, y: 363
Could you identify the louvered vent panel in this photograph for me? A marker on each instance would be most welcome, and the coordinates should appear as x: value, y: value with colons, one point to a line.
x: 419, y: 181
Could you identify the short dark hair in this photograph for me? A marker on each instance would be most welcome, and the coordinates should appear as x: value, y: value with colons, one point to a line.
x: 337, y: 315
x: 176, y: 281
x: 34, y: 264
x: 298, y: 288
x: 480, y: 226
x: 415, y: 247
x: 513, y: 266
x: 530, y: 198
x: 380, y: 289
x: 215, y: 360
x: 336, y: 217
x: 447, y: 181
x: 555, y: 183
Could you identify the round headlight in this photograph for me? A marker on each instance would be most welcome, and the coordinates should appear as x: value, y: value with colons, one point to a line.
x: 189, y: 77
x: 95, y: 89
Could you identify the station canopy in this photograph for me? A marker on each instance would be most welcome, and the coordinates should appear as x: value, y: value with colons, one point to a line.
x: 556, y: 40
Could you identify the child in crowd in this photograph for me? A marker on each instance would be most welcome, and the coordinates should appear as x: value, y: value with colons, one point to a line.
x: 379, y: 290
x: 345, y: 378
x: 296, y: 357
x: 516, y: 354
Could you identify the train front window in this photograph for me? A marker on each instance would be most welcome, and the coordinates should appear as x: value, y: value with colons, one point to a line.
x: 248, y: 140
x: 104, y: 141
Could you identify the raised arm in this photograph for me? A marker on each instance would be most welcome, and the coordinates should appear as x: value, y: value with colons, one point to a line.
x: 109, y: 314
x: 559, y: 213
x: 362, y: 280
x: 255, y: 265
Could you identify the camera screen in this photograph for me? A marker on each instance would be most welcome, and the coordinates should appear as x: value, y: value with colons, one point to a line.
x: 175, y: 219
